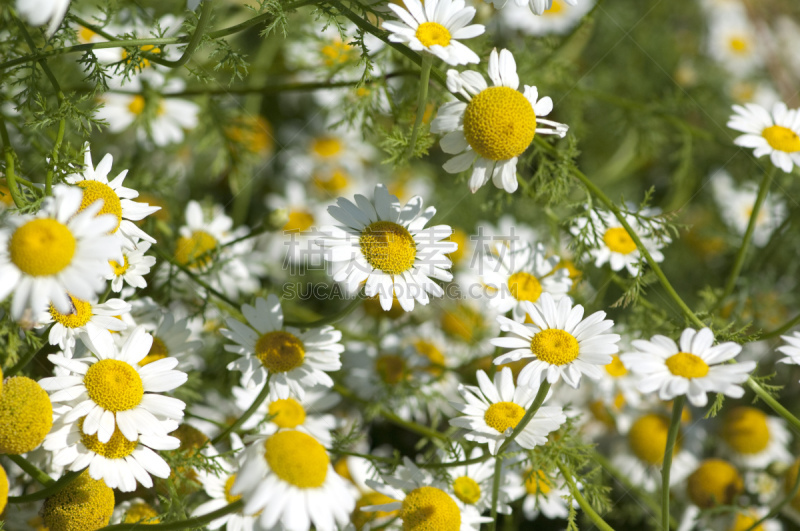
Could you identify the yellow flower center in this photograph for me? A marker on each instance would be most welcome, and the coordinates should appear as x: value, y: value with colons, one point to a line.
x: 619, y: 241
x: 433, y: 33
x: 648, y: 438
x: 117, y: 447
x: 336, y: 182
x: 82, y: 505
x: 462, y: 322
x: 5, y: 195
x: 782, y: 138
x: 158, y: 351
x: 79, y: 317
x: 536, y: 482
x: 3, y: 489
x: 391, y: 368
x: 467, y: 490
x: 361, y: 518
x: 745, y: 429
x: 499, y: 123
x: 118, y: 269
x: 739, y: 45
x: 94, y: 190
x: 616, y: 368
x: 287, y: 413
x: 687, y: 365
x: 524, y: 286
x: 299, y: 221
x: 254, y: 133
x: 503, y: 415
x: 42, y: 247
x: 196, y: 249
x: 554, y: 346
x: 433, y: 354
x: 555, y: 9
x: 137, y: 105
x: 26, y: 415
x: 230, y: 498
x: 141, y: 513
x: 388, y: 247
x: 744, y: 522
x: 297, y: 459
x: 326, y: 146
x: 280, y: 351
x: 336, y: 53
x: 85, y: 35
x: 114, y: 385
x: 715, y: 482
x: 430, y: 509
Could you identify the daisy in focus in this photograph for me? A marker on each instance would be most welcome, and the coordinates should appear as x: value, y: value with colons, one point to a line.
x: 495, y: 127
x: 436, y: 27
x: 472, y: 483
x: 541, y: 494
x: 562, y: 344
x: 493, y: 409
x: 84, y: 318
x: 389, y: 247
x: 694, y: 368
x: 60, y: 251
x: 133, y: 268
x: 776, y: 134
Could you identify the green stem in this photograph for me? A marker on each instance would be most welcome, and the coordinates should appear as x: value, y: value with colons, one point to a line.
x: 191, y: 523
x: 596, y: 519
x: 472, y: 461
x: 498, y: 470
x: 774, y: 404
x: 197, y: 36
x: 49, y: 490
x: 8, y: 153
x: 672, y: 436
x: 535, y: 405
x: 31, y: 470
x: 197, y: 280
x: 777, y: 508
x: 422, y: 102
x: 246, y: 415
x: 330, y: 319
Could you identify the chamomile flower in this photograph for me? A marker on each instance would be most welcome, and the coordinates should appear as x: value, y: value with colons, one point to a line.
x: 133, y: 268
x: 472, y: 484
x: 289, y: 479
x: 174, y: 338
x: 561, y: 343
x: 84, y: 503
x: 495, y: 127
x: 776, y: 134
x: 557, y: 19
x: 736, y: 206
x: 436, y: 27
x: 693, y: 369
x: 493, y: 409
x: 753, y: 439
x: 111, y: 391
x: 732, y: 41
x: 294, y: 360
x: 26, y: 415
x: 61, y: 250
x: 541, y: 494
x: 791, y: 349
x: 84, y: 318
x: 135, y: 511
x: 116, y: 198
x: 387, y: 246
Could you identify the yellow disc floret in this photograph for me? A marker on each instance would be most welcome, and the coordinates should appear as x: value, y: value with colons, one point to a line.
x: 745, y: 521
x: 299, y: 221
x: 287, y: 413
x: 619, y: 241
x: 388, y: 247
x: 536, y: 482
x: 117, y: 447
x: 745, y: 429
x: 648, y: 438
x: 297, y: 459
x: 361, y: 518
x: 433, y: 33
x: 687, y: 365
x: 715, y: 482
x: 141, y: 513
x: 85, y: 504
x: 80, y: 315
x: 230, y: 498
x: 326, y: 146
x: 114, y: 385
x: 26, y: 415
x: 94, y: 191
x: 503, y: 415
x: 554, y: 346
x: 196, y: 249
x: 524, y: 286
x: 158, y: 351
x: 782, y: 138
x: 430, y: 509
x: 119, y: 269
x: 499, y: 123
x: 616, y: 367
x: 3, y: 489
x: 467, y: 490
x: 42, y: 247
x: 336, y: 53
x: 280, y: 351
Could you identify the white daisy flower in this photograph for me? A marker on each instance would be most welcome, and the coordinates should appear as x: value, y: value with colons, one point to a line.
x: 111, y: 390
x: 84, y: 319
x: 116, y: 198
x: 436, y: 27
x: 472, y: 484
x: 293, y: 360
x: 492, y: 411
x: 558, y: 19
x: 520, y: 273
x: 791, y: 349
x: 40, y: 12
x: 387, y: 246
x: 755, y: 440
x: 541, y: 494
x: 135, y: 511
x: 538, y: 7
x: 561, y: 343
x: 495, y: 127
x: 423, y: 502
x: 172, y: 338
x: 134, y: 267
x: 288, y: 477
x: 119, y: 461
x: 732, y: 41
x: 58, y: 251
x: 776, y: 134
x: 694, y: 369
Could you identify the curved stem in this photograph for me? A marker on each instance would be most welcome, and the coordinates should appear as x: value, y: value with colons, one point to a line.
x: 191, y: 523
x: 246, y: 415
x: 32, y: 470
x: 576, y: 493
x: 422, y: 102
x: 197, y: 36
x: 498, y: 470
x: 672, y: 436
x: 49, y: 490
x: 774, y: 404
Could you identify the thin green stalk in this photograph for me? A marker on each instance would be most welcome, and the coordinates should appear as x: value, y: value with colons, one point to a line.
x: 31, y: 470
x: 246, y: 415
x: 498, y: 470
x: 191, y: 523
x: 422, y: 102
x: 535, y: 405
x: 197, y: 36
x: 672, y: 436
x: 8, y: 154
x: 49, y: 490
x: 778, y: 506
x: 330, y: 319
x: 596, y: 519
x: 200, y: 282
x: 471, y: 461
x: 774, y: 404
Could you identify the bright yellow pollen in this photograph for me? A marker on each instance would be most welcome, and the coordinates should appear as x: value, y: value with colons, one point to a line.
x: 196, y: 249
x: 745, y: 429
x: 687, y: 365
x: 388, y: 247
x: 361, y: 518
x: 499, y: 123
x: 141, y: 513
x: 391, y: 368
x: 554, y: 346
x: 556, y: 8
x: 433, y: 33
x: 334, y: 183
x: 524, y: 286
x: 280, y: 351
x: 85, y: 504
x: 743, y: 522
x: 230, y: 498
x: 26, y: 415
x: 82, y: 312
x: 326, y: 146
x: 85, y: 35
x: 114, y: 385
x: 430, y: 509
x: 297, y: 458
x: 117, y: 447
x: 467, y: 490
x: 137, y: 105
x: 299, y: 221
x: 5, y: 195
x: 648, y: 438
x: 536, y: 482
x: 94, y: 190
x: 782, y: 138
x: 503, y: 415
x: 42, y: 247
x: 118, y: 269
x: 616, y: 367
x: 336, y: 53
x: 287, y: 413
x: 739, y: 45
x: 715, y: 482
x: 619, y: 241
x: 3, y: 489
x: 158, y: 351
